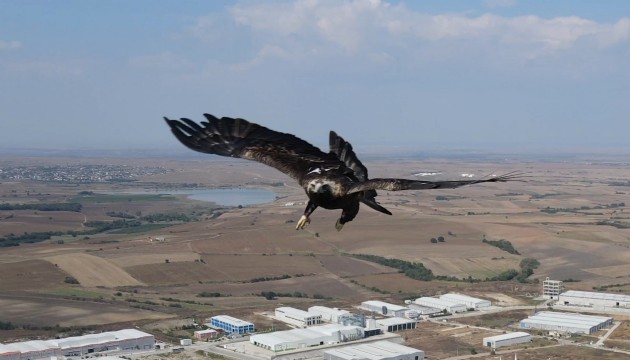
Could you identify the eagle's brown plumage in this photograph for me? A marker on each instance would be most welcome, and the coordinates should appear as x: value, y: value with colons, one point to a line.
x: 333, y: 180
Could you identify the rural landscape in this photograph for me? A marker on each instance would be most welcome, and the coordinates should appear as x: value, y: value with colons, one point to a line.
x: 92, y: 244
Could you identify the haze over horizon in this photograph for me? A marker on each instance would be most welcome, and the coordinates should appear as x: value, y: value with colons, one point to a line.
x: 483, y: 74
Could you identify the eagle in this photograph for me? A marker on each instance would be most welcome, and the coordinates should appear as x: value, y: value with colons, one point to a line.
x: 332, y: 180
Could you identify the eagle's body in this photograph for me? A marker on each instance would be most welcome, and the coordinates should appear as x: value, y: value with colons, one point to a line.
x: 333, y: 180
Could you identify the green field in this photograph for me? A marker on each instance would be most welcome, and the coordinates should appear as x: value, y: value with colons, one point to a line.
x: 139, y: 229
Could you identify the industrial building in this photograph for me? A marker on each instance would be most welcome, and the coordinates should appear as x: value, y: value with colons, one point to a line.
x: 512, y: 338
x: 565, y: 322
x: 394, y: 324
x: 424, y: 310
x: 231, y: 324
x: 552, y: 288
x: 378, y: 350
x: 384, y: 308
x: 469, y: 301
x: 332, y: 315
x: 205, y: 334
x: 303, y: 338
x: 594, y: 299
x: 121, y: 340
x: 450, y: 306
x: 297, y: 317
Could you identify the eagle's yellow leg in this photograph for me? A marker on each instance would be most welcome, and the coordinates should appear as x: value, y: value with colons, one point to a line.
x: 304, y: 220
x: 338, y: 225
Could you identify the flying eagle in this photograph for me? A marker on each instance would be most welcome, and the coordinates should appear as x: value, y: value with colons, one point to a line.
x: 333, y: 180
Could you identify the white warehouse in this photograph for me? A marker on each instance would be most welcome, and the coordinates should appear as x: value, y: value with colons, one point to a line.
x: 127, y: 340
x: 449, y: 306
x: 469, y: 301
x: 565, y: 322
x: 303, y: 338
x: 378, y: 350
x: 512, y: 338
x: 384, y: 308
x: 333, y: 315
x: 297, y: 317
x: 424, y: 310
x: 593, y: 299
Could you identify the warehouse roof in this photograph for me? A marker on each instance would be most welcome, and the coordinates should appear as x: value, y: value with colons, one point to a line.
x: 373, y: 351
x: 596, y: 295
x: 295, y: 335
x: 231, y: 320
x: 392, y: 307
x: 74, y: 341
x: 508, y: 336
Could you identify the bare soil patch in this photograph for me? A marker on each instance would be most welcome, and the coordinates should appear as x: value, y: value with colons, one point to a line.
x: 92, y: 271
x: 47, y: 311
x: 29, y: 275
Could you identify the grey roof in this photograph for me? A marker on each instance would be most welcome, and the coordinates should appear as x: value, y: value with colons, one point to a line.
x: 596, y: 295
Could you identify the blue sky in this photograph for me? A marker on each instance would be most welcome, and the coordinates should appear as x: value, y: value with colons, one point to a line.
x: 493, y: 74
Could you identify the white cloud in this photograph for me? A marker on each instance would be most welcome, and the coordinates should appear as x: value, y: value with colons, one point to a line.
x: 306, y: 28
x: 10, y: 45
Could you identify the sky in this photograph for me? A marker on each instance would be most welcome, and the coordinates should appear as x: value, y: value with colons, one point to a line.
x: 434, y: 74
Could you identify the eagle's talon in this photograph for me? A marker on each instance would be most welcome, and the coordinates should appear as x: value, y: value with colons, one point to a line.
x: 304, y: 220
x: 338, y: 225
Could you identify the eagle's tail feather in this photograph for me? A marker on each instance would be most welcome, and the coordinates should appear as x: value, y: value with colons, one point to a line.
x: 371, y: 202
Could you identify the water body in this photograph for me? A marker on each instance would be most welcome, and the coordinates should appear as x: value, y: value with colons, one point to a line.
x: 233, y: 197
x: 225, y: 197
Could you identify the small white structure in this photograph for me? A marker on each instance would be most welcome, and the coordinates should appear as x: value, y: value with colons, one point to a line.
x: 303, y: 338
x: 594, y: 299
x: 552, y: 288
x: 449, y: 306
x: 384, y: 308
x: 394, y: 324
x: 333, y: 315
x: 185, y: 342
x: 512, y: 338
x: 297, y: 317
x: 565, y: 322
x: 127, y: 340
x: 469, y: 301
x: 378, y: 350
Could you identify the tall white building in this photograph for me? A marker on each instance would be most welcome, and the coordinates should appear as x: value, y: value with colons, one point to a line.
x: 552, y: 288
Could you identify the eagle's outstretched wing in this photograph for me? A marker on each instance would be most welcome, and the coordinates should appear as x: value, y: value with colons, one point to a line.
x: 343, y: 150
x: 241, y: 138
x: 407, y: 184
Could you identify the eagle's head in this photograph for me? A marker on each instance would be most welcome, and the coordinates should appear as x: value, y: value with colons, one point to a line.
x: 320, y: 187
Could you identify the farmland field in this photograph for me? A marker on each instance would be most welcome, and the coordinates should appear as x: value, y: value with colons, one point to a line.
x: 570, y: 216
